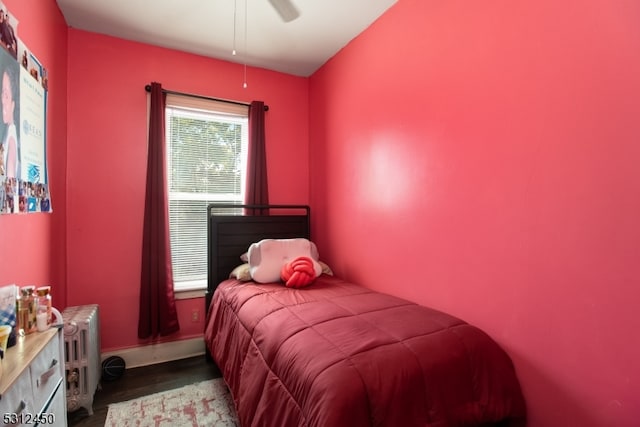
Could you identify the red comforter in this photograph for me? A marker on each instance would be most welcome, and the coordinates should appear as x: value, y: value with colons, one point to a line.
x: 336, y: 354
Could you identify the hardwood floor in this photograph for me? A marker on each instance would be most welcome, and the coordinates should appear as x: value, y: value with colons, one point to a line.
x: 142, y: 381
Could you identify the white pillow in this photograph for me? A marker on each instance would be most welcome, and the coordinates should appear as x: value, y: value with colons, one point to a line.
x: 268, y: 256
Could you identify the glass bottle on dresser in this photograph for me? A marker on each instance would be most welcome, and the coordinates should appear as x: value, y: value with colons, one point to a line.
x: 43, y: 316
x: 27, y: 305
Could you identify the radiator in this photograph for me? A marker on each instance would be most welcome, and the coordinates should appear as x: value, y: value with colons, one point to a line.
x: 82, y: 355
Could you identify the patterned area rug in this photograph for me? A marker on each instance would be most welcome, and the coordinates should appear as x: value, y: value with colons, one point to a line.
x: 207, y: 403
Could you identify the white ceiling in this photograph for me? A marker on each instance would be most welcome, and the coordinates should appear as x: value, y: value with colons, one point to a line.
x: 206, y: 27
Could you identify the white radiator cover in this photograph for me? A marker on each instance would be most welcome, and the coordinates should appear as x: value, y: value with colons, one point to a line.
x: 83, y: 368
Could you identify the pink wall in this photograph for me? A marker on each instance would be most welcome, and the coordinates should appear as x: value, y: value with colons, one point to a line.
x: 484, y: 151
x: 482, y: 158
x: 32, y: 250
x: 106, y: 162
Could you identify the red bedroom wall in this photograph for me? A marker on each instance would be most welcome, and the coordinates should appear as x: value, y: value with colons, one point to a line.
x: 33, y: 246
x: 481, y: 158
x: 107, y: 163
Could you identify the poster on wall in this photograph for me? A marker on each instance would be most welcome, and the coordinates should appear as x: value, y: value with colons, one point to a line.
x: 24, y: 186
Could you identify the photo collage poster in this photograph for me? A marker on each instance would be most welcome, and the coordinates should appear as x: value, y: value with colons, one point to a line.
x: 24, y: 186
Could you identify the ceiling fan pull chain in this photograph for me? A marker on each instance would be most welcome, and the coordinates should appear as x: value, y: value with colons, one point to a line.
x: 244, y: 85
x: 235, y: 8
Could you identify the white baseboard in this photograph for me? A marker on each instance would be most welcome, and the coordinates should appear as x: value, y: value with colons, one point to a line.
x: 159, y: 353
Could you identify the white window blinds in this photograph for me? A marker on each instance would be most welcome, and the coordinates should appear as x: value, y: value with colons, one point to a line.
x: 207, y: 158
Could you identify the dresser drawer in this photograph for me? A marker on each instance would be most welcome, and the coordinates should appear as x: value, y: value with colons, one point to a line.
x: 46, y: 372
x: 31, y: 385
x: 55, y: 414
x: 18, y: 401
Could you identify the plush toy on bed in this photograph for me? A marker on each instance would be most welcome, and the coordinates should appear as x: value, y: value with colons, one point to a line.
x: 298, y: 273
x: 294, y: 261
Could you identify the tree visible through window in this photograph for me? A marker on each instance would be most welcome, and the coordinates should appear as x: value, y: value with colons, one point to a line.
x: 207, y: 158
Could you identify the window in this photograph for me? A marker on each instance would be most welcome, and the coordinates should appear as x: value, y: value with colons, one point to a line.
x: 207, y: 158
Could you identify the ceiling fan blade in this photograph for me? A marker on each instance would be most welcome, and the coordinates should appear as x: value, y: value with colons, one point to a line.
x: 285, y: 9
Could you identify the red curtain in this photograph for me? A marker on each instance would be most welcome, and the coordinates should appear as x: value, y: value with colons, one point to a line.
x: 158, y: 314
x: 257, y: 191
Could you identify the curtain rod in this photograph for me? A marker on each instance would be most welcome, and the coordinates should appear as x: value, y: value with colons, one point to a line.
x: 172, y: 92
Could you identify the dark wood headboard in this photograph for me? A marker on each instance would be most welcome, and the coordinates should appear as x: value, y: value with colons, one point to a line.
x: 231, y: 230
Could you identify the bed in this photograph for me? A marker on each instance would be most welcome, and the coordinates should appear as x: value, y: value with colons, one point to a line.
x: 338, y: 354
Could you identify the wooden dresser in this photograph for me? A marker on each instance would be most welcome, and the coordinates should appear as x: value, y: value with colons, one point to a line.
x: 32, y: 386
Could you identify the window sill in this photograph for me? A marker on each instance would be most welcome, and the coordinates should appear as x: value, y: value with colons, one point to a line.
x: 188, y: 290
x: 189, y: 293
